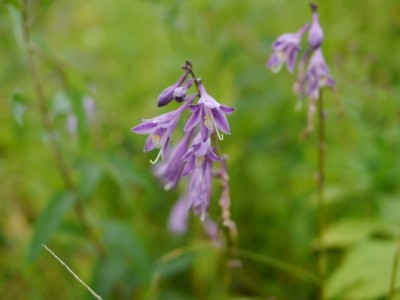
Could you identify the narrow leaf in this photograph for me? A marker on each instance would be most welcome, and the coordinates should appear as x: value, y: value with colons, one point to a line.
x: 48, y: 222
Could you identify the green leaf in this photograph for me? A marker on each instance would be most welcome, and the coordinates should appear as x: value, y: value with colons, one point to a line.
x: 90, y: 176
x: 48, y: 222
x: 365, y: 272
x: 348, y: 232
x: 18, y: 106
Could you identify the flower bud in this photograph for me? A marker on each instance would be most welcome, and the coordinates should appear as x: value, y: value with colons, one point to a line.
x: 180, y: 94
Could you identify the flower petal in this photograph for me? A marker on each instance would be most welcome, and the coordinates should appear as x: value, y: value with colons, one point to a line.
x: 194, y: 118
x: 164, y: 149
x: 220, y: 120
x: 149, y: 145
x: 226, y: 109
x: 145, y: 127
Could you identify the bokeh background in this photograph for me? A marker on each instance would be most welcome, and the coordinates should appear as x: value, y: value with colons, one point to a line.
x: 120, y: 55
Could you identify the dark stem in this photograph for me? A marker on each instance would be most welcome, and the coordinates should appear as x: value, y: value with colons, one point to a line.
x: 395, y: 267
x: 50, y: 130
x: 321, y: 148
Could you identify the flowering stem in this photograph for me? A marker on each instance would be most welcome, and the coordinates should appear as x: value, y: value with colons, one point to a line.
x: 320, y: 193
x: 395, y: 267
x: 50, y: 129
x: 228, y: 226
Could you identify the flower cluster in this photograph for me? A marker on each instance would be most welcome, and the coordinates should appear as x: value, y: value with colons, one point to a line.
x: 193, y: 156
x: 313, y: 73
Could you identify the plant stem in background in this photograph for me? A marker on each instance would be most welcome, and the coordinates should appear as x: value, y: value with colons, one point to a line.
x: 393, y: 277
x: 321, y: 148
x: 49, y: 128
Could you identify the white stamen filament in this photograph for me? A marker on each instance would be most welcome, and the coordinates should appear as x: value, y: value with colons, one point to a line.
x: 220, y: 135
x: 157, y: 158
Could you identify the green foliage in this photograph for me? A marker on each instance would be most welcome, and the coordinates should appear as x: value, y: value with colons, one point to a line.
x: 364, y: 273
x: 48, y: 222
x: 122, y: 55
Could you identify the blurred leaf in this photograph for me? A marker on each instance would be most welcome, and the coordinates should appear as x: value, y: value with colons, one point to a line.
x: 18, y: 106
x: 365, y: 272
x: 129, y: 246
x: 348, y: 232
x: 15, y: 14
x: 90, y: 176
x: 121, y: 171
x: 48, y: 222
x: 107, y: 274
x: 126, y: 253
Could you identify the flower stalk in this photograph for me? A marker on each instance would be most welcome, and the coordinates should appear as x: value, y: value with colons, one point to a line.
x: 321, y: 151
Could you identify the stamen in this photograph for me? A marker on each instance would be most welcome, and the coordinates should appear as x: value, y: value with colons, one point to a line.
x: 199, y: 161
x: 157, y: 158
x: 220, y: 135
x: 156, y: 140
x: 203, y: 214
x: 208, y: 121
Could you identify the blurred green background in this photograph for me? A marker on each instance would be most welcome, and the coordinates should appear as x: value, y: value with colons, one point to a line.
x: 122, y: 54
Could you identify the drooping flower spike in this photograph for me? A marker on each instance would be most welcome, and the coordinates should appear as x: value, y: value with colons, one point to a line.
x: 194, y: 155
x: 313, y: 73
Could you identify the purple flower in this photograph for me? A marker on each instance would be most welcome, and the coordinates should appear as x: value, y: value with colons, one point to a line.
x: 199, y: 159
x: 210, y: 114
x: 178, y: 218
x: 286, y: 47
x: 170, y: 171
x: 199, y: 190
x: 160, y: 130
x: 318, y: 75
x: 167, y: 95
x: 89, y: 107
x: 198, y: 153
x: 315, y: 35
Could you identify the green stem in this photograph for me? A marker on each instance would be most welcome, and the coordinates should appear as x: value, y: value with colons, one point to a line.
x: 394, y: 271
x: 322, y: 259
x: 49, y: 128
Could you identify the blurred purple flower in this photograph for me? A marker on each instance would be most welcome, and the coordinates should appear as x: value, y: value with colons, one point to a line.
x: 318, y: 75
x: 315, y: 35
x: 210, y: 114
x: 178, y: 217
x: 89, y: 107
x: 286, y: 48
x: 71, y: 124
x: 170, y: 171
x: 167, y: 95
